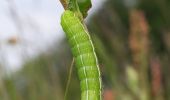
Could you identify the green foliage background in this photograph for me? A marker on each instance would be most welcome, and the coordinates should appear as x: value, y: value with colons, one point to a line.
x: 45, y: 77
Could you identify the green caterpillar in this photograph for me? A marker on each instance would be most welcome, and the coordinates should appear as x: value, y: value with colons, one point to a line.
x: 85, y: 56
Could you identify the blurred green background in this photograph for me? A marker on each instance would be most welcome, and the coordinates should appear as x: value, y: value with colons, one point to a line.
x: 132, y: 41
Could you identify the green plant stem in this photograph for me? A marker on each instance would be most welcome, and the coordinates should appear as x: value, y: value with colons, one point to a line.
x: 69, y: 79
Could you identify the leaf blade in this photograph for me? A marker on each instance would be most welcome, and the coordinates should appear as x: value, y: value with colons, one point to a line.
x: 84, y: 6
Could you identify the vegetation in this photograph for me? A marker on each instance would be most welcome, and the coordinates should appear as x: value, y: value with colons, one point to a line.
x: 133, y: 44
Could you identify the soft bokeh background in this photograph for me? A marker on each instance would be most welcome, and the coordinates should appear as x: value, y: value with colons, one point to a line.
x: 131, y: 37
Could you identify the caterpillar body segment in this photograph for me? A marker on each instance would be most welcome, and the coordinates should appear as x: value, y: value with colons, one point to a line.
x: 85, y: 56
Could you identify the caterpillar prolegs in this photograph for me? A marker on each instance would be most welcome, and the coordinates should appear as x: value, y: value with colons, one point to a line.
x: 85, y: 56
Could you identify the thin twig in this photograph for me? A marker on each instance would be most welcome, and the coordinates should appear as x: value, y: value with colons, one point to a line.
x: 69, y: 79
x: 64, y: 3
